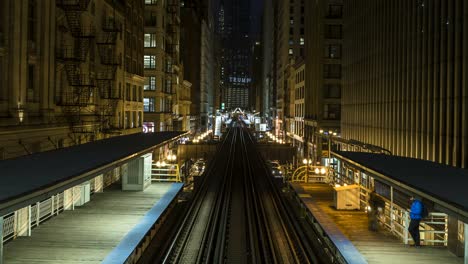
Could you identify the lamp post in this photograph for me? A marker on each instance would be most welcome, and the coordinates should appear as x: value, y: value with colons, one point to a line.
x: 307, y: 163
x: 329, y: 139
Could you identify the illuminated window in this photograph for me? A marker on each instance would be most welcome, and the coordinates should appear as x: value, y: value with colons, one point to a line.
x: 150, y: 83
x: 148, y: 104
x: 151, y: 2
x: 150, y: 40
x: 290, y: 51
x: 150, y: 61
x: 301, y: 41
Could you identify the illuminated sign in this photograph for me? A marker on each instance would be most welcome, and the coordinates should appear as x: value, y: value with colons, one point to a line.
x: 148, y: 127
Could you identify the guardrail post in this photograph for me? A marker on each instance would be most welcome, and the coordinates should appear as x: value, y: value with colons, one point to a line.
x: 1, y: 239
x: 29, y: 220
x: 52, y: 203
x: 38, y: 213
x: 405, y: 227
x: 466, y: 243
x: 73, y: 197
x: 392, y: 226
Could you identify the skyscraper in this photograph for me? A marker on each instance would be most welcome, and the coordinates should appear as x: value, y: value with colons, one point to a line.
x: 236, y: 55
x: 405, y: 79
x: 322, y: 95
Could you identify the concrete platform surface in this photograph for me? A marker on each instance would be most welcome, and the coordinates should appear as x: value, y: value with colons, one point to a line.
x: 376, y: 247
x: 88, y: 234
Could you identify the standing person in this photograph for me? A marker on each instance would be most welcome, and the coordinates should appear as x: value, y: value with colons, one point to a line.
x: 377, y: 206
x: 415, y: 215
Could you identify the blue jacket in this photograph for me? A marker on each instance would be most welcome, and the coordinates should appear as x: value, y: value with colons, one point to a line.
x: 416, y: 210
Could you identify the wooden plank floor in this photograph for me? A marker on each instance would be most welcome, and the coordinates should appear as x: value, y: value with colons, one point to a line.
x: 376, y: 247
x: 87, y: 234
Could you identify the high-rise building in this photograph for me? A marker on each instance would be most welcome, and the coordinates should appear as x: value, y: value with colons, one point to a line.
x: 322, y: 93
x: 290, y: 48
x: 197, y: 52
x: 268, y: 63
x: 236, y: 54
x: 70, y: 72
x: 405, y: 79
x: 161, y: 62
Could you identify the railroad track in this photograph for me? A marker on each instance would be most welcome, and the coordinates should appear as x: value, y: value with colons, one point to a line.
x: 238, y: 215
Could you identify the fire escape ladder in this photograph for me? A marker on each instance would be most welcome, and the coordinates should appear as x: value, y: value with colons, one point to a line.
x: 79, y: 94
x: 106, y: 77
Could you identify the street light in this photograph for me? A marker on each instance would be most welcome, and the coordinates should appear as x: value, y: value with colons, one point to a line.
x: 307, y: 162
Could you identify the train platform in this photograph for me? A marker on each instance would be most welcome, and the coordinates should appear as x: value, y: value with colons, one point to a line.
x: 106, y: 225
x: 352, y: 226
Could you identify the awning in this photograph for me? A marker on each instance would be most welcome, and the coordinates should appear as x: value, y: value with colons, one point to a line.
x: 27, y: 179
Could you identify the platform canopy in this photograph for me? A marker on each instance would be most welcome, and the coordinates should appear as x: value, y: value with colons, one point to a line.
x: 446, y: 185
x: 28, y: 179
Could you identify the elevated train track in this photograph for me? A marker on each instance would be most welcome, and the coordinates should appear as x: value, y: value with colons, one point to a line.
x: 238, y: 215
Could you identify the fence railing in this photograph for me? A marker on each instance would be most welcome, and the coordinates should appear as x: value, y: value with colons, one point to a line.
x: 396, y: 219
x: 20, y: 222
x: 169, y: 173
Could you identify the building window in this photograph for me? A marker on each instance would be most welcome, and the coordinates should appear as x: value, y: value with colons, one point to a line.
x: 135, y: 92
x: 168, y: 86
x: 150, y: 40
x: 3, y: 91
x: 290, y: 51
x: 150, y: 83
x: 32, y: 20
x: 31, y: 95
x: 150, y: 19
x: 140, y: 94
x: 127, y: 92
x: 150, y: 61
x: 302, y: 31
x: 333, y: 51
x: 333, y: 31
x: 332, y: 111
x: 151, y: 2
x: 169, y: 66
x: 332, y: 90
x: 335, y: 11
x: 301, y: 41
x: 148, y: 104
x: 291, y: 20
x: 332, y: 70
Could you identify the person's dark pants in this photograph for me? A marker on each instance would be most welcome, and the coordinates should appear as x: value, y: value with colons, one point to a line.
x: 414, y: 231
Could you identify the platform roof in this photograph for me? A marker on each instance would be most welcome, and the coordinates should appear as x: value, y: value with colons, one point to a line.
x: 445, y: 183
x: 25, y: 179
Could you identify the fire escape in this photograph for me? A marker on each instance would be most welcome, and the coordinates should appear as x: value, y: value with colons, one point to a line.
x: 172, y: 48
x: 76, y: 98
x: 109, y: 93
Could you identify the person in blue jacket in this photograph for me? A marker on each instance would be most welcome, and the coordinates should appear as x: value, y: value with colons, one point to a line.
x: 415, y: 215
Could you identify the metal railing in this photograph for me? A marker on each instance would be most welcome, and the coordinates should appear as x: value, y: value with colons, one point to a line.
x: 396, y: 219
x: 168, y: 173
x: 20, y: 222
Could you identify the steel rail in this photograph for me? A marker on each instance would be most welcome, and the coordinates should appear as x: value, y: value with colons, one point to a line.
x: 181, y: 237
